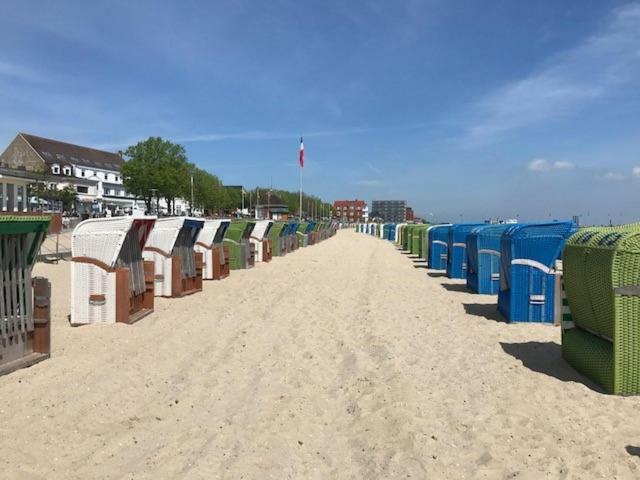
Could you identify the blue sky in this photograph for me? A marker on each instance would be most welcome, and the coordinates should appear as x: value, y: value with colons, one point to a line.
x: 467, y: 109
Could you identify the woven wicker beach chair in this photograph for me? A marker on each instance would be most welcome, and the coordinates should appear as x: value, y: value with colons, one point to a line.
x: 110, y: 280
x: 438, y: 246
x: 528, y: 275
x: 399, y: 229
x: 601, y: 268
x: 275, y: 235
x: 407, y: 239
x: 241, y: 250
x: 417, y: 243
x: 178, y: 267
x: 25, y: 310
x: 261, y: 241
x: 457, y: 249
x: 483, y: 256
x: 215, y: 255
x: 304, y: 231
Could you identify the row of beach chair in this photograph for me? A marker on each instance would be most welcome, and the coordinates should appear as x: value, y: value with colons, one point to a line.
x: 585, y: 280
x: 120, y: 264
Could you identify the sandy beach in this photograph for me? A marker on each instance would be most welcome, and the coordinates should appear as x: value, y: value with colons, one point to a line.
x: 346, y: 359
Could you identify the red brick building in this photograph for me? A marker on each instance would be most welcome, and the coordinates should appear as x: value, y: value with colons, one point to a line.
x: 349, y: 210
x: 408, y: 214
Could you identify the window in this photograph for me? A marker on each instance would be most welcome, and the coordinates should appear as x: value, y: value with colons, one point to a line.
x: 81, y: 172
x: 66, y: 170
x: 107, y: 191
x: 81, y: 189
x: 55, y: 169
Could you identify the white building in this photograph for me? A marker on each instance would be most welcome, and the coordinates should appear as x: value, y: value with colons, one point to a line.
x: 93, y: 174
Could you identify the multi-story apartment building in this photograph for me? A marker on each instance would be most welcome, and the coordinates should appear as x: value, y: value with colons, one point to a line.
x: 350, y: 210
x: 93, y: 174
x: 389, y: 210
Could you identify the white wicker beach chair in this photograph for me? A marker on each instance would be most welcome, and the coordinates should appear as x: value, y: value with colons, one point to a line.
x: 109, y: 279
x: 259, y: 238
x: 209, y: 243
x: 178, y: 267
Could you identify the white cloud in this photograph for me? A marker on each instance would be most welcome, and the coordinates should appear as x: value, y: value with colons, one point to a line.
x: 368, y: 183
x: 613, y: 176
x: 600, y: 65
x: 18, y: 72
x: 636, y: 172
x: 563, y: 165
x: 543, y: 165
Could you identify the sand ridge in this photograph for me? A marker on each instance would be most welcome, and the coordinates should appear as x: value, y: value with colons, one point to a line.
x: 347, y: 359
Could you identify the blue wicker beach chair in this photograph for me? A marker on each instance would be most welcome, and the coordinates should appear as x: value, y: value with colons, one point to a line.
x: 438, y: 246
x: 483, y: 257
x: 457, y: 248
x: 528, y: 276
x: 391, y: 236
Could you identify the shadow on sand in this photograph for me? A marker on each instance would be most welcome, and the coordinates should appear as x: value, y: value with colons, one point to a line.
x: 546, y: 358
x: 456, y: 287
x: 632, y: 450
x: 437, y: 274
x: 420, y: 265
x: 485, y: 310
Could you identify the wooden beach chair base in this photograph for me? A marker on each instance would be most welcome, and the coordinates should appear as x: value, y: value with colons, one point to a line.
x: 34, y: 346
x: 180, y: 286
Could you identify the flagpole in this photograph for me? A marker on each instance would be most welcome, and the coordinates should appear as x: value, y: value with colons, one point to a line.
x: 300, y: 166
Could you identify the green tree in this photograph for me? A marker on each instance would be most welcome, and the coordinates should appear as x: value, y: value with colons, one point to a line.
x: 156, y: 166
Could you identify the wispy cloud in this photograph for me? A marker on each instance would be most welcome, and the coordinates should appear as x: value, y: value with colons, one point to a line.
x: 613, y: 176
x: 18, y: 72
x: 599, y: 66
x: 368, y: 182
x: 544, y: 165
x: 635, y: 171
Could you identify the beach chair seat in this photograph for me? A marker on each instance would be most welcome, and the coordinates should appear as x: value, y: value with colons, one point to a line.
x: 457, y: 249
x: 25, y: 302
x: 171, y: 247
x: 215, y: 255
x: 601, y: 338
x: 528, y: 273
x: 110, y: 280
x: 241, y: 250
x: 260, y: 240
x: 438, y: 246
x: 483, y: 255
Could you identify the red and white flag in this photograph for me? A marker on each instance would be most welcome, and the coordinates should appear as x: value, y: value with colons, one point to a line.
x: 301, y: 153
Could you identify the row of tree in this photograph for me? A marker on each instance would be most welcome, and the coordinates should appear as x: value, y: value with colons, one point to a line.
x: 157, y: 168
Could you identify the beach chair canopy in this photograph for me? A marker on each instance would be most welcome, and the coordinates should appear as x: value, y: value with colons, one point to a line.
x: 261, y: 229
x: 438, y: 246
x: 538, y: 245
x: 602, y: 284
x: 21, y: 237
x: 213, y: 232
x: 239, y: 230
x: 166, y: 231
x: 112, y: 240
x: 483, y: 256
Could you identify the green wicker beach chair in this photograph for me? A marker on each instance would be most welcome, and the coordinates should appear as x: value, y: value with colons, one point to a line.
x: 241, y: 250
x: 24, y: 302
x: 601, y: 269
x: 276, y: 235
x: 417, y: 241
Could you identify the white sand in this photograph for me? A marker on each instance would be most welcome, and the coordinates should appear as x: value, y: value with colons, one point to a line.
x: 340, y: 360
